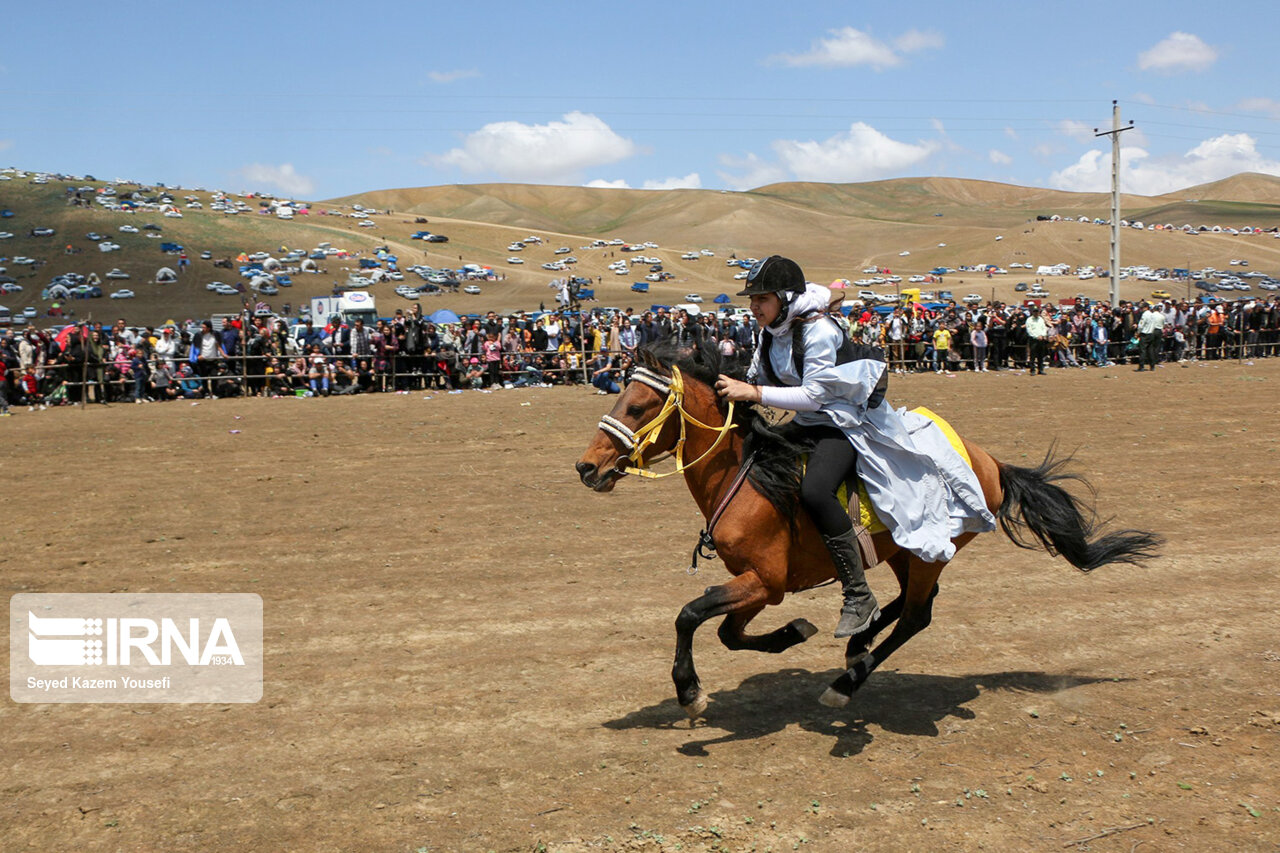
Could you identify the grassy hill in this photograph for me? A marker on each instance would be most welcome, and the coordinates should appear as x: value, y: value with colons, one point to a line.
x: 833, y: 230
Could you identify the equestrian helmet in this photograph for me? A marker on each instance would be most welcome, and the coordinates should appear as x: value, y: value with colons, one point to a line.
x: 775, y: 273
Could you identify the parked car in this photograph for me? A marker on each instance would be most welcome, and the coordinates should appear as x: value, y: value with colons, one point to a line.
x: 122, y: 294
x: 692, y: 297
x: 472, y: 289
x: 972, y: 299
x: 116, y: 273
x: 515, y: 260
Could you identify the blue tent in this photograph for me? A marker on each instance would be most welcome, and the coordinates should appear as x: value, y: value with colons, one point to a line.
x: 444, y: 315
x: 722, y: 299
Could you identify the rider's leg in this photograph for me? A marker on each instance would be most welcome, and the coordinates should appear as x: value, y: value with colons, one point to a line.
x: 829, y: 465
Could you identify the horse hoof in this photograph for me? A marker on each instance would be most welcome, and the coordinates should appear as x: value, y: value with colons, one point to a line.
x: 696, y: 708
x: 804, y: 628
x: 833, y: 698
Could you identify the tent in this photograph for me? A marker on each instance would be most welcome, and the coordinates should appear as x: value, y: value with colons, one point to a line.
x: 259, y: 280
x: 839, y: 284
x: 165, y: 275
x: 57, y: 291
x: 444, y: 315
x: 271, y: 264
x: 309, y: 266
x: 722, y: 299
x: 93, y: 280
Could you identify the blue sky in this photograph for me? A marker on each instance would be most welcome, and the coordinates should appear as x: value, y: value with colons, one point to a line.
x: 318, y: 100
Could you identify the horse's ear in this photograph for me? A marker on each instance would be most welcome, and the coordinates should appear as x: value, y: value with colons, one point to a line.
x: 648, y: 359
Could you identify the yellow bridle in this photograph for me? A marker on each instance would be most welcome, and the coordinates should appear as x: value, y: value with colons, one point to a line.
x: 638, y: 441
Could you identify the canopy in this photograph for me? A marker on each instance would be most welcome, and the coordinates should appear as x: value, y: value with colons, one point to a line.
x: 722, y: 299
x: 166, y: 274
x: 444, y: 315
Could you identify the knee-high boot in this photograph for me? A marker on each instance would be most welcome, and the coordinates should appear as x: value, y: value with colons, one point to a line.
x: 859, y: 607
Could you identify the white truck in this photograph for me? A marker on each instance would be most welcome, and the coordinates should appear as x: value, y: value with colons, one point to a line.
x: 348, y: 306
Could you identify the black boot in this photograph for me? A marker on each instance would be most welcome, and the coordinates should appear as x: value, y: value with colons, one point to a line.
x: 859, y: 607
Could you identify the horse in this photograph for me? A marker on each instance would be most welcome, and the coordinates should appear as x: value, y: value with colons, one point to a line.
x: 744, y: 476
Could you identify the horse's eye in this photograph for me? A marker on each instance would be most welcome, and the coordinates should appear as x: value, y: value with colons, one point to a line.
x: 634, y: 411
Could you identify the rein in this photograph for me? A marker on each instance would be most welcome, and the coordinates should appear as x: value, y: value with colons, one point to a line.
x: 636, y: 442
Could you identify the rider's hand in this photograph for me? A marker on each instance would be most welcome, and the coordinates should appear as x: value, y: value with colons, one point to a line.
x: 736, y: 391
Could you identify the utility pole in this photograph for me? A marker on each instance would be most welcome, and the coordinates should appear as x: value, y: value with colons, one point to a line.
x: 1114, y: 133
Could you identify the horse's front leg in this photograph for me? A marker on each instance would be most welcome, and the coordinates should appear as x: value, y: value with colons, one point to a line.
x: 744, y: 592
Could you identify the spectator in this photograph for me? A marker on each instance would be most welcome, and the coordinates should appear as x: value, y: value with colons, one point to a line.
x: 1150, y: 337
x: 1037, y: 331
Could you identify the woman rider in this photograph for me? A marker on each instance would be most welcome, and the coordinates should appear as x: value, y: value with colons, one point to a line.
x: 922, y: 489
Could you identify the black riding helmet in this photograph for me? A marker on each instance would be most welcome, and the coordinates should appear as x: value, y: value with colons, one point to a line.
x: 775, y: 273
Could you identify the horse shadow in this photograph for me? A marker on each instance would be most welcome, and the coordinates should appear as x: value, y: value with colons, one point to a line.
x: 899, y: 702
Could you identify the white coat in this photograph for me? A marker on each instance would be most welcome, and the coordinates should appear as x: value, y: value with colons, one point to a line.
x: 921, y: 488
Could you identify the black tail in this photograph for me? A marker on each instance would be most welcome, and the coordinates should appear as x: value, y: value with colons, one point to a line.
x: 1061, y: 522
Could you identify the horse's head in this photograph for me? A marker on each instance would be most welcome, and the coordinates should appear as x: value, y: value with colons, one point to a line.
x: 630, y: 434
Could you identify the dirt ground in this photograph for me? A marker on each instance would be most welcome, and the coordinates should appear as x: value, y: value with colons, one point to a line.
x: 467, y: 650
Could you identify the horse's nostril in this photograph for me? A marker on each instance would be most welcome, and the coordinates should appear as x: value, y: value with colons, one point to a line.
x: 584, y: 469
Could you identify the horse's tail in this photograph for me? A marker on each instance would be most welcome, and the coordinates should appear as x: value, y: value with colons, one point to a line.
x: 1061, y: 522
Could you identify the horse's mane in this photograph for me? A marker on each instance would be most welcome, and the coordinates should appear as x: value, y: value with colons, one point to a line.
x: 776, y: 470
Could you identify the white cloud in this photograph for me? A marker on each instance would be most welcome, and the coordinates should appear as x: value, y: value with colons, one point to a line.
x: 452, y: 76
x: 1211, y: 160
x: 750, y: 172
x: 862, y: 154
x: 848, y: 47
x: 1179, y: 52
x: 6, y: 144
x: 1143, y: 98
x: 690, y: 181
x: 1077, y: 130
x: 283, y: 177
x: 1011, y: 133
x: 1266, y: 106
x: 555, y: 151
x: 601, y: 184
x: 999, y: 157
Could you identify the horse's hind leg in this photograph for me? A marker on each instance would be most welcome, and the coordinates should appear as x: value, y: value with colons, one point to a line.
x: 733, y: 634
x: 917, y: 612
x: 745, y: 593
x: 860, y: 643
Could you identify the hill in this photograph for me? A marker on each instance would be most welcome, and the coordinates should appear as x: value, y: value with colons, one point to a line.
x: 834, y: 230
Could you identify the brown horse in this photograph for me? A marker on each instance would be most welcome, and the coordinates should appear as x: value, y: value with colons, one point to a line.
x: 770, y: 547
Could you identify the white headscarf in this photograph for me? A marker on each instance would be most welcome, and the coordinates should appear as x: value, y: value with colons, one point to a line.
x: 814, y: 298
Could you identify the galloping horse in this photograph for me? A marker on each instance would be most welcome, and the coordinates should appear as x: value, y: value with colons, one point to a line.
x: 772, y: 548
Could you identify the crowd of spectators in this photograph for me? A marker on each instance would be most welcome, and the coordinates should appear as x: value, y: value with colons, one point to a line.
x: 266, y: 357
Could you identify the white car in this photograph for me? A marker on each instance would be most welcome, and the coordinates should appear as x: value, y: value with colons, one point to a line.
x: 516, y: 247
x: 472, y: 289
x: 214, y: 285
x: 515, y: 260
x: 706, y: 253
x: 128, y: 229
x: 42, y: 232
x: 563, y: 250
x: 226, y: 290
x: 692, y: 297
x: 108, y: 246
x: 5, y: 235
x: 29, y: 312
x: 916, y: 279
x: 122, y: 294
x: 689, y: 256
x: 740, y: 275
x: 367, y: 223
x: 116, y: 273
x: 621, y: 271
x: 903, y: 254
x: 972, y: 299
x: 867, y: 295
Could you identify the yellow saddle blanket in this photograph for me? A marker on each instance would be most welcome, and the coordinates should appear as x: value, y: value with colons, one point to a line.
x: 866, y: 513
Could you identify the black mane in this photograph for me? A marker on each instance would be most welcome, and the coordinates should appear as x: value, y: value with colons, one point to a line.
x: 775, y: 471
